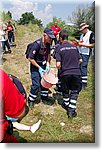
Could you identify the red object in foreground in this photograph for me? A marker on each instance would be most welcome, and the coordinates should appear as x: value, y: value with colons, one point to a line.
x: 75, y: 43
x: 9, y: 139
x: 81, y: 41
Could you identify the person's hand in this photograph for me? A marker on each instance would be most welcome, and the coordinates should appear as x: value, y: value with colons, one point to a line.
x: 80, y: 60
x: 80, y: 44
x: 41, y: 71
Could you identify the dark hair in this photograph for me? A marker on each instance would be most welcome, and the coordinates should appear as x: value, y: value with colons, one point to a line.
x: 63, y: 34
x: 9, y: 22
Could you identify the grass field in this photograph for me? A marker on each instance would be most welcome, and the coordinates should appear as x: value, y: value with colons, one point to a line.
x: 77, y: 130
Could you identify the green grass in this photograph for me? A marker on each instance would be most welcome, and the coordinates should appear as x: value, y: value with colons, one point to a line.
x: 77, y: 130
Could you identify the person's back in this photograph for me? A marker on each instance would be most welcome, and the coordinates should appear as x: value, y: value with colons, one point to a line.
x: 70, y: 59
x: 11, y: 101
x: 67, y: 60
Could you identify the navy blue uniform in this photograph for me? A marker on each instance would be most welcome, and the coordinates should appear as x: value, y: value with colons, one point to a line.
x: 70, y: 77
x: 40, y: 54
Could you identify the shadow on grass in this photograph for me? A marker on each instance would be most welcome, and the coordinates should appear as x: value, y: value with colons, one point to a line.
x: 2, y: 59
x: 50, y: 101
x: 58, y: 98
x: 19, y: 138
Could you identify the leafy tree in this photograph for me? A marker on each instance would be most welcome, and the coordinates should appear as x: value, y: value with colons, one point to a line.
x: 83, y: 15
x: 27, y: 18
x: 62, y: 24
x: 9, y: 14
x: 90, y: 17
x: 6, y: 16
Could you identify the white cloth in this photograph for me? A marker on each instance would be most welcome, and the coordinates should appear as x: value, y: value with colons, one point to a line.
x: 85, y: 38
x: 3, y: 36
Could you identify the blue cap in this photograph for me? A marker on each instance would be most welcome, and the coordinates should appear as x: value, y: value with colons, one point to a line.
x: 49, y: 32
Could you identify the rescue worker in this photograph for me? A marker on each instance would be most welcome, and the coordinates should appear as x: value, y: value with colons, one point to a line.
x: 67, y: 60
x: 56, y: 29
x: 86, y: 46
x: 10, y: 29
x: 39, y: 57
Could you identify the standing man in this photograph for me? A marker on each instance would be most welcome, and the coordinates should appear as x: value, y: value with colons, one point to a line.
x: 10, y: 29
x: 56, y: 29
x: 4, y: 40
x: 39, y: 57
x: 86, y: 46
x: 67, y: 60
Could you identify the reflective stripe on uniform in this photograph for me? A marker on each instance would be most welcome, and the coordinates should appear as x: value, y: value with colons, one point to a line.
x: 85, y: 77
x: 73, y: 101
x: 44, y: 94
x: 72, y: 106
x: 31, y: 95
x: 84, y: 81
x: 65, y: 99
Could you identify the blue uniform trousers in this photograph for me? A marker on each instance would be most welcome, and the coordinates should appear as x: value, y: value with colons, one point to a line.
x: 11, y: 37
x: 84, y: 69
x: 36, y: 86
x: 5, y: 44
x: 71, y: 86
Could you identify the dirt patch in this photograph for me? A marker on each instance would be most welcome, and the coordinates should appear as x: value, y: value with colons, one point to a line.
x: 87, y: 129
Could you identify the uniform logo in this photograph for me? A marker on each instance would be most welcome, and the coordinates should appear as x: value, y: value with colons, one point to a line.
x: 34, y: 52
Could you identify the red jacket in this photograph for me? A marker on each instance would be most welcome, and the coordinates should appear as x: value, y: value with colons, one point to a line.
x: 12, y: 103
x: 56, y: 29
x: 10, y: 28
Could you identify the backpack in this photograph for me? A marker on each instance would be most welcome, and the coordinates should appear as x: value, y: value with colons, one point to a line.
x: 29, y: 47
x: 18, y: 85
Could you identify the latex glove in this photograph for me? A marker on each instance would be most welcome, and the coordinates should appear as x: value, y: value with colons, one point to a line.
x: 47, y: 68
x: 11, y: 119
x: 41, y: 71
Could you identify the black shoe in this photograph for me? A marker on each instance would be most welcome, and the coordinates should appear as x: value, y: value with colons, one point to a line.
x: 71, y: 114
x: 31, y: 104
x: 45, y: 99
x: 4, y: 52
x: 9, y: 51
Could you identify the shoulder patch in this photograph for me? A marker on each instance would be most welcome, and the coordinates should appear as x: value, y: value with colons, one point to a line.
x: 34, y: 52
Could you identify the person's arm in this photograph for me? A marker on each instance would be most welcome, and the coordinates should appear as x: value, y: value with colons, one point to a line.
x: 91, y: 42
x: 86, y: 45
x: 34, y: 62
x: 49, y: 59
x: 40, y: 69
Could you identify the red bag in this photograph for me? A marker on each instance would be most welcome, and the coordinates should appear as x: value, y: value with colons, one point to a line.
x: 75, y: 43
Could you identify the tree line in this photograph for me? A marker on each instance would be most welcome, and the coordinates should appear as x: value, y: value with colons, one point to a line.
x: 78, y: 16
